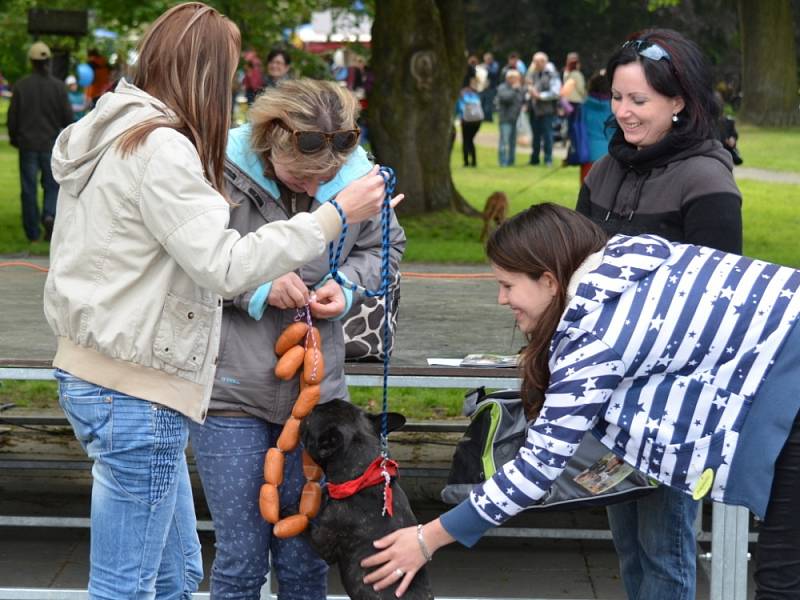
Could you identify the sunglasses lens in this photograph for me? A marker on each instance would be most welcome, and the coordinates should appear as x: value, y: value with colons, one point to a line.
x: 344, y: 140
x: 310, y: 141
x: 647, y: 49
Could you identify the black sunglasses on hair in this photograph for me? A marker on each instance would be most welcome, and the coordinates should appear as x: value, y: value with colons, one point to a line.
x: 309, y: 142
x: 648, y: 49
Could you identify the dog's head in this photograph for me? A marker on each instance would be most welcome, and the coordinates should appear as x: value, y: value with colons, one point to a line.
x: 334, y: 428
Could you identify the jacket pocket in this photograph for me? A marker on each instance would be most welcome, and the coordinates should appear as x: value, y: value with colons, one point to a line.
x: 183, y: 333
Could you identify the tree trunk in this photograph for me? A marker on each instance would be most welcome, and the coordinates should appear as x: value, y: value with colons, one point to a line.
x: 769, y: 63
x: 419, y: 62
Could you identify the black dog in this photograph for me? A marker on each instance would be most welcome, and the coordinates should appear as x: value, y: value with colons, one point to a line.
x: 343, y: 440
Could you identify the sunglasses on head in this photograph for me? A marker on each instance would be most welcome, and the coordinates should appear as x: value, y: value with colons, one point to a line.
x: 309, y: 142
x: 648, y: 49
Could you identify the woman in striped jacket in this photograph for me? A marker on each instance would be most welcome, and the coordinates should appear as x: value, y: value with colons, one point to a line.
x: 679, y: 358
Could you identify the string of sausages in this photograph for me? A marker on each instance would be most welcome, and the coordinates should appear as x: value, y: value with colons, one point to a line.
x: 298, y: 346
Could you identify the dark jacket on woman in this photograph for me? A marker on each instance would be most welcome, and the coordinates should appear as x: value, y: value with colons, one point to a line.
x: 683, y: 191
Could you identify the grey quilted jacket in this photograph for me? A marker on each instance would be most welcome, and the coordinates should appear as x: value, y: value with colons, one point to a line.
x: 245, y: 379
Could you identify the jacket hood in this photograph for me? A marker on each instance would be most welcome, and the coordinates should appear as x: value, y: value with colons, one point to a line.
x: 625, y: 262
x: 670, y: 149
x: 239, y: 153
x: 80, y: 146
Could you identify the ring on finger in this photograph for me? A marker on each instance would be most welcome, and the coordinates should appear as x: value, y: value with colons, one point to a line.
x: 399, y: 572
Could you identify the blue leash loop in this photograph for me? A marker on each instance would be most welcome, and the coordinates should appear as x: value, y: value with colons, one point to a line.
x: 334, y: 256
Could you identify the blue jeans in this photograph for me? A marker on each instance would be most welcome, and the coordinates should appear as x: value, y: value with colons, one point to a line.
x: 508, y: 143
x: 542, y: 128
x: 229, y: 452
x: 144, y: 542
x: 656, y: 545
x: 30, y: 164
x: 487, y: 103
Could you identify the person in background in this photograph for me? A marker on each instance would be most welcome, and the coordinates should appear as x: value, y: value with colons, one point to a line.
x: 77, y: 99
x: 277, y: 166
x: 101, y: 81
x: 727, y: 133
x: 543, y: 87
x: 666, y: 174
x: 509, y: 99
x: 573, y: 89
x: 596, y: 119
x: 471, y: 72
x: 38, y: 111
x: 680, y: 359
x: 512, y: 62
x: 278, y: 65
x: 140, y: 260
x: 470, y: 115
x: 492, y: 79
x: 253, y: 80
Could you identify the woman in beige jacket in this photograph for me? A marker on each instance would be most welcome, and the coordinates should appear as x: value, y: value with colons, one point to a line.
x: 141, y: 258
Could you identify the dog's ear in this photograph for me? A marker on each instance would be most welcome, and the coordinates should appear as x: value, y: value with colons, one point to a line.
x: 329, y: 442
x: 394, y: 420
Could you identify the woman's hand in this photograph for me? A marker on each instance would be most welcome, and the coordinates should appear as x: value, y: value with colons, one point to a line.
x: 327, y: 301
x: 363, y: 198
x: 288, y: 291
x: 401, y: 556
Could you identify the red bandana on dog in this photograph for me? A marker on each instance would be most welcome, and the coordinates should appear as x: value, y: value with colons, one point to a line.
x: 380, y: 470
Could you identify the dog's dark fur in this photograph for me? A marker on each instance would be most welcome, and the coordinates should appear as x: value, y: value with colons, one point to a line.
x: 343, y: 440
x: 494, y: 212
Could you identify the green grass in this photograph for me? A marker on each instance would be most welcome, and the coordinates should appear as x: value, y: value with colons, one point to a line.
x: 416, y: 403
x: 35, y: 395
x: 775, y: 149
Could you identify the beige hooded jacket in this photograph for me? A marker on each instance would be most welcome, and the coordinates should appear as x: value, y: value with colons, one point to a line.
x: 141, y: 256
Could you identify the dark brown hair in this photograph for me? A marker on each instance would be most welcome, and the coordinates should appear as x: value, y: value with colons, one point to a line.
x: 546, y: 238
x: 686, y: 74
x: 187, y: 60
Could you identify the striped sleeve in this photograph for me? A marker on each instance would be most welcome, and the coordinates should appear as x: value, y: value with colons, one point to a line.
x: 584, y: 371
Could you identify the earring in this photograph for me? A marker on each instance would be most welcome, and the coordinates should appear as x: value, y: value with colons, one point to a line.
x: 675, y: 118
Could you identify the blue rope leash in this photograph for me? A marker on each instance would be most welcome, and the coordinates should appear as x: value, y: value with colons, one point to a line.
x: 334, y: 256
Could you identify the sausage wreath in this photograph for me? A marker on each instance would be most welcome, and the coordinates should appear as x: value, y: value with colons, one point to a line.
x: 293, y: 356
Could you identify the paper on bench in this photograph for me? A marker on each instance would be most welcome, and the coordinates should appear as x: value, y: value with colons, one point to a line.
x: 444, y: 362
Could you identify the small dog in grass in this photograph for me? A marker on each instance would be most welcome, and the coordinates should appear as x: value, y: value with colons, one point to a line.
x: 494, y: 212
x: 344, y: 440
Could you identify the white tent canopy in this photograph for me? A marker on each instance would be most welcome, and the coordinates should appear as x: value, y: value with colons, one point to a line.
x: 336, y: 26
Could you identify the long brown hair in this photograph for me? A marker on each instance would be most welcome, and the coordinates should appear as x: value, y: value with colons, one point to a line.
x: 187, y: 60
x: 546, y: 238
x: 302, y: 105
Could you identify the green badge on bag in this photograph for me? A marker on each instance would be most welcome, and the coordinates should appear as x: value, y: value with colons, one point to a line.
x: 703, y: 484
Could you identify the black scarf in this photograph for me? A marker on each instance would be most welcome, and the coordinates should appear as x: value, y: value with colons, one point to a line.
x: 663, y: 152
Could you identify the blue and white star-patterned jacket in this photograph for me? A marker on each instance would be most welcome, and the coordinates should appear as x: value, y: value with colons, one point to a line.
x: 662, y: 353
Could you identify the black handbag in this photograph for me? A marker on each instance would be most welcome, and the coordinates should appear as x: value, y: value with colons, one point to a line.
x: 594, y: 476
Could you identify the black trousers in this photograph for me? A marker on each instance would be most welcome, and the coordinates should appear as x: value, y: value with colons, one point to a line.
x: 777, y: 575
x: 469, y: 130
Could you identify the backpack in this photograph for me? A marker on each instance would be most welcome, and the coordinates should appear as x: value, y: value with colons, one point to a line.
x: 472, y: 111
x: 594, y: 476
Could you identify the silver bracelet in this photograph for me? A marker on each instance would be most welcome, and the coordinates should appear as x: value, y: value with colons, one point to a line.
x: 423, y: 546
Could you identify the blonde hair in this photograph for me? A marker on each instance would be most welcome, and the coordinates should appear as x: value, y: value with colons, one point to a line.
x: 187, y: 60
x: 302, y: 105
